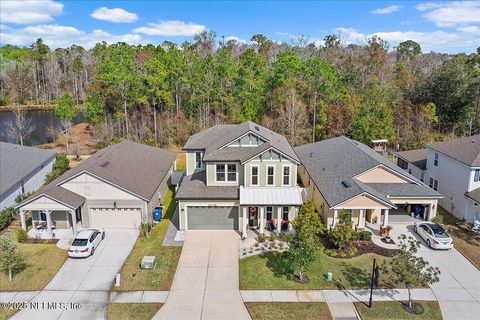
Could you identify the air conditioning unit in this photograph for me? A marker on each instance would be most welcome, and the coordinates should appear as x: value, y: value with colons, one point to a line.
x: 148, y: 262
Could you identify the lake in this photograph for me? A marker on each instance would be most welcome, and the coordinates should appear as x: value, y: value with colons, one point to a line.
x: 42, y: 119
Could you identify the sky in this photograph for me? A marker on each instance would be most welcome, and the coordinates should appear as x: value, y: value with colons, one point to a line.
x: 440, y: 26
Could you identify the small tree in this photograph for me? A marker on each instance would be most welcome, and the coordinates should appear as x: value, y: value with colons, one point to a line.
x: 341, y: 235
x: 309, y: 221
x: 301, y: 253
x: 410, y: 270
x: 20, y: 127
x: 60, y: 166
x: 11, y: 261
x: 65, y: 111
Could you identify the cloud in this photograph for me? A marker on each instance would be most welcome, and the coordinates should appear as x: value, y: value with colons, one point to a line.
x: 386, y: 10
x: 117, y: 15
x: 237, y: 39
x: 171, y: 28
x: 29, y: 12
x: 440, y: 41
x: 470, y: 29
x: 57, y: 36
x: 451, y: 14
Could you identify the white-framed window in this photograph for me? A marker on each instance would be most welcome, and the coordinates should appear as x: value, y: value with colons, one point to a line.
x: 435, y: 160
x: 433, y: 183
x: 226, y: 172
x: 270, y: 175
x: 198, y: 160
x: 254, y: 175
x: 476, y: 177
x: 269, y: 211
x: 285, y: 211
x: 286, y: 175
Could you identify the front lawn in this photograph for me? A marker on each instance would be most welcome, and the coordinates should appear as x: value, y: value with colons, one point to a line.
x: 288, y: 310
x: 464, y: 240
x: 7, y: 313
x: 137, y: 311
x: 395, y: 310
x: 42, y: 263
x: 134, y: 278
x: 270, y: 271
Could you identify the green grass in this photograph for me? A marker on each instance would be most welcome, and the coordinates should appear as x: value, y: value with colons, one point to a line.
x: 394, y: 310
x: 181, y: 160
x: 270, y: 271
x: 137, y: 311
x: 134, y: 278
x: 288, y: 310
x: 42, y: 263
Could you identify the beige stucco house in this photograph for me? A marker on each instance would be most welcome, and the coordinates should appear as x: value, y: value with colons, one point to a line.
x: 343, y: 174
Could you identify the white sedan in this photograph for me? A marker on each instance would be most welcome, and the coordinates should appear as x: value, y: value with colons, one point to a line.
x: 85, y: 243
x: 434, y: 235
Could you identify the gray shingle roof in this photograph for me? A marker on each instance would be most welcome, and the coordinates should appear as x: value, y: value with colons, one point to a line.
x: 416, y: 157
x: 465, y: 150
x: 137, y: 168
x: 404, y: 190
x: 17, y: 162
x: 333, y: 161
x: 217, y: 136
x: 474, y: 194
x: 193, y: 187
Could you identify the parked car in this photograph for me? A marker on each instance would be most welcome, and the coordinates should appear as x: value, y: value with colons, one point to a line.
x: 434, y: 235
x: 85, y: 243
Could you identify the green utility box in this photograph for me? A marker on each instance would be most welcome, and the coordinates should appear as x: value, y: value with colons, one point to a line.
x: 329, y: 276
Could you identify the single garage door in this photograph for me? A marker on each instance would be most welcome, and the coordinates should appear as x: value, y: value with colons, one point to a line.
x: 115, y: 217
x: 215, y: 218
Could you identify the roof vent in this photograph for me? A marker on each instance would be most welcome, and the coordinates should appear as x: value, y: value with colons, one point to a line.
x: 257, y: 128
x: 346, y: 184
x: 104, y: 164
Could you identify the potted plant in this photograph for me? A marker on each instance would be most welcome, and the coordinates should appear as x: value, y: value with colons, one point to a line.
x: 387, y: 232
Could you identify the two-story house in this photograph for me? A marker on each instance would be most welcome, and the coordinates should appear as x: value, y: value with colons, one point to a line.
x: 237, y: 177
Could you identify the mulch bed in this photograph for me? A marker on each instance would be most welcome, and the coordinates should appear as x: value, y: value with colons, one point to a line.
x: 41, y: 241
x: 363, y: 247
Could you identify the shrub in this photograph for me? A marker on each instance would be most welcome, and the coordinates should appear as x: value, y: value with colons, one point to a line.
x: 6, y: 216
x: 256, y: 244
x: 272, y: 237
x: 261, y: 237
x: 352, y: 251
x: 366, y: 235
x: 21, y: 235
x: 438, y: 219
x: 286, y: 237
x: 273, y: 243
x: 343, y: 254
x: 60, y: 166
x: 22, y: 197
x: 355, y: 236
x: 333, y: 254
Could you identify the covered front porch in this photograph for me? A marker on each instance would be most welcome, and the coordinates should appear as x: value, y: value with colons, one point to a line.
x: 268, y: 208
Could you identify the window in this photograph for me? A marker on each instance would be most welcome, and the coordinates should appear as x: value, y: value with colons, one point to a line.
x: 232, y: 172
x: 422, y: 177
x: 435, y: 161
x: 476, y: 178
x: 285, y: 213
x: 254, y: 176
x: 220, y: 172
x: 270, y: 175
x: 410, y: 171
x: 23, y: 186
x: 198, y: 160
x: 286, y: 176
x: 433, y: 184
x: 402, y: 163
x: 269, y: 213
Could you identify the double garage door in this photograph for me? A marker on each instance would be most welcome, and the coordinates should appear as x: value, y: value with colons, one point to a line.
x: 115, y: 217
x: 212, y: 218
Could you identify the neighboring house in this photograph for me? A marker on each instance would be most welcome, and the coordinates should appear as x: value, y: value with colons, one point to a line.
x: 344, y: 174
x: 239, y: 176
x: 22, y: 170
x: 117, y: 187
x: 413, y: 161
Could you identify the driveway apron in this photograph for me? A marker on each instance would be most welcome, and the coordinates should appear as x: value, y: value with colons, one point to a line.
x: 206, y: 284
x: 84, y: 281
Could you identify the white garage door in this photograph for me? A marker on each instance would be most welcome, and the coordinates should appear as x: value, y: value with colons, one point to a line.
x: 115, y: 217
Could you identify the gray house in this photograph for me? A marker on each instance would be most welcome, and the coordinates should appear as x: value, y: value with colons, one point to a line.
x: 22, y: 170
x: 117, y: 187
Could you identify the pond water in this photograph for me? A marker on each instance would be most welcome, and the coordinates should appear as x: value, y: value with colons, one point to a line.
x: 42, y: 119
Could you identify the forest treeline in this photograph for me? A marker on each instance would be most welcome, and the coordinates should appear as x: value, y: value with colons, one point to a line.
x: 166, y: 92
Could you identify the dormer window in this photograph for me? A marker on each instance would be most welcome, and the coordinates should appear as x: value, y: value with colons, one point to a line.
x: 476, y: 177
x: 435, y: 161
x: 198, y: 160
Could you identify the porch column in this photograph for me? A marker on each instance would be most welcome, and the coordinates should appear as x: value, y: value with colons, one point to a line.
x: 361, y: 219
x: 279, y: 219
x: 49, y: 222
x: 22, y: 220
x: 244, y: 222
x: 335, y: 218
x: 291, y: 216
x: 385, y: 218
x: 262, y: 219
x: 74, y: 222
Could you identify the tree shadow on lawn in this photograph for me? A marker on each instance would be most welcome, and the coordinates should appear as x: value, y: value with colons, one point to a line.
x: 278, y: 264
x: 356, y: 278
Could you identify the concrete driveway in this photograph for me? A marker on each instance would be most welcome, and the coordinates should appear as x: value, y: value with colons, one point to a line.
x: 85, y: 281
x: 206, y: 284
x: 458, y: 291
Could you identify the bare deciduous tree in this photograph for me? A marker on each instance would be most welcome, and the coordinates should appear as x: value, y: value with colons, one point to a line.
x: 21, y: 127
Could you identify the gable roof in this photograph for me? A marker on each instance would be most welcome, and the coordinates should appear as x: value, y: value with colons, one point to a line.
x: 133, y: 167
x: 214, y: 139
x: 333, y: 164
x: 18, y: 162
x: 465, y: 150
x: 416, y: 157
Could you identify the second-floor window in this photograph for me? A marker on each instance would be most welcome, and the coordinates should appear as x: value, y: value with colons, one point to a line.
x: 286, y: 176
x: 254, y: 176
x: 270, y: 175
x: 433, y: 183
x: 402, y: 163
x: 476, y: 177
x: 435, y: 161
x: 226, y: 172
x: 198, y: 160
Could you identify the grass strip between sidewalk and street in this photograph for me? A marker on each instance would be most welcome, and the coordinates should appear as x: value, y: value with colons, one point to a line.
x: 288, y: 310
x: 396, y: 310
x: 137, y: 311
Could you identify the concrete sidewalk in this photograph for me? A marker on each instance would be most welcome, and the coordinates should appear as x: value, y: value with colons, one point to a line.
x: 138, y: 296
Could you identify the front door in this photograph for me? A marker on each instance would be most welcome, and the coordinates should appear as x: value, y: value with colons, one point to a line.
x: 253, y: 217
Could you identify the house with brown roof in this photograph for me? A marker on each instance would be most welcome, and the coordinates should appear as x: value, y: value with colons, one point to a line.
x: 117, y: 187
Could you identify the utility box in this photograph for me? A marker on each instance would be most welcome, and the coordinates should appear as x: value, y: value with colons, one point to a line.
x: 148, y: 262
x: 329, y: 276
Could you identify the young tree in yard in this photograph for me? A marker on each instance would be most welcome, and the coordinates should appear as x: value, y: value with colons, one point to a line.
x: 20, y: 127
x: 65, y: 111
x: 342, y: 235
x: 309, y: 221
x: 411, y: 270
x: 11, y: 261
